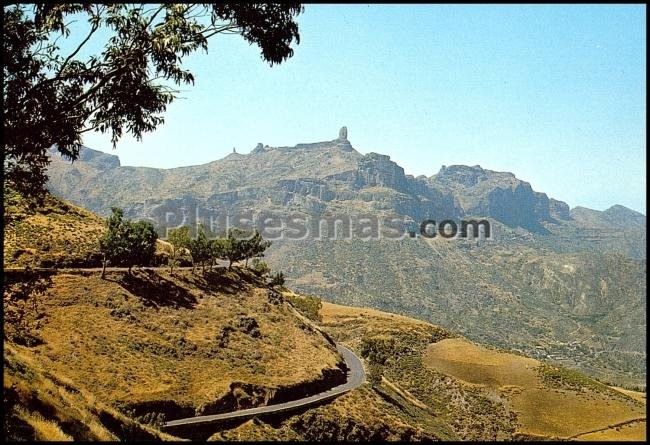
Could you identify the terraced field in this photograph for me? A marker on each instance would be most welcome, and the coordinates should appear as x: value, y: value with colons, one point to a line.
x: 548, y: 401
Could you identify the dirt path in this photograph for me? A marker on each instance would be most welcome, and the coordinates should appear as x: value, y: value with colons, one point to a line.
x: 609, y: 427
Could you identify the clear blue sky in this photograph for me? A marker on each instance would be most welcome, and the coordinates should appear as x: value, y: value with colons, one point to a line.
x: 554, y: 94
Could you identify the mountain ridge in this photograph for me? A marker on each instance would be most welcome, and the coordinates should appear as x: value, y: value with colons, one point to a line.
x: 332, y: 178
x: 107, y: 160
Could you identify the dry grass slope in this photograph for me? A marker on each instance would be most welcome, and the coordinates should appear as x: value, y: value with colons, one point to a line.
x: 188, y: 339
x: 42, y: 405
x: 544, y: 401
x: 549, y: 401
x: 54, y: 234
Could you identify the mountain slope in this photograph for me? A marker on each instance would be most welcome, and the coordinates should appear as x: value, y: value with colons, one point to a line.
x: 481, y: 391
x: 331, y: 177
x: 583, y: 310
x: 54, y: 234
x: 112, y: 359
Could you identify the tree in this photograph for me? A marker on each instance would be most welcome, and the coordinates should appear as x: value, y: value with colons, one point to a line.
x: 179, y: 240
x: 241, y: 245
x: 140, y: 244
x: 112, y: 244
x: 52, y: 97
x: 217, y: 248
x: 127, y: 243
x: 234, y: 246
x: 238, y: 245
x: 200, y: 249
x: 260, y: 267
x: 255, y: 246
x: 277, y: 279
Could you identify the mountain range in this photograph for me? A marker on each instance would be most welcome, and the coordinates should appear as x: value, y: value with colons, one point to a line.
x: 559, y: 283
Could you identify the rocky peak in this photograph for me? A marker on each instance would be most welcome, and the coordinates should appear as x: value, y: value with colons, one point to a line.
x: 559, y: 209
x: 313, y: 174
x: 98, y: 159
x: 469, y: 176
x: 342, y: 142
x: 623, y: 216
x: 500, y: 195
x: 378, y: 170
x: 259, y: 148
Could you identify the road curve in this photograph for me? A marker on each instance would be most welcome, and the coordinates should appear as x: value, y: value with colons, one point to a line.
x: 355, y: 377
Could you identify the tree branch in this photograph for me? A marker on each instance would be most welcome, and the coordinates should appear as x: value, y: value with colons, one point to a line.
x: 94, y: 28
x: 216, y: 30
x: 154, y: 16
x: 108, y: 76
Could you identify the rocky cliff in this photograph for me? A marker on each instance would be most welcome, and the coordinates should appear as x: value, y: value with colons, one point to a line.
x: 331, y: 177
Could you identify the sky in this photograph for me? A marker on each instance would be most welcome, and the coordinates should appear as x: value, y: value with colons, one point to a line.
x: 554, y: 94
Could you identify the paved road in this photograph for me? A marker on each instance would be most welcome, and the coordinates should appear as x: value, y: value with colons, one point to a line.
x: 356, y: 376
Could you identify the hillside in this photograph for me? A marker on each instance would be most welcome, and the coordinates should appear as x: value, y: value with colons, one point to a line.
x: 482, y: 391
x: 548, y: 401
x: 151, y: 347
x: 582, y: 310
x: 114, y: 358
x: 460, y: 390
x: 56, y: 233
x: 115, y: 349
x: 42, y: 406
x: 106, y: 359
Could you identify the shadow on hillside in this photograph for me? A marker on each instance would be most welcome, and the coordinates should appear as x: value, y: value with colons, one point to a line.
x: 218, y: 280
x: 156, y: 291
x: 201, y: 432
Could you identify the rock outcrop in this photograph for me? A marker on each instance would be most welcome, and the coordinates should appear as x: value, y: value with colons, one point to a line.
x: 499, y: 195
x: 98, y: 159
x: 259, y: 148
x: 377, y: 170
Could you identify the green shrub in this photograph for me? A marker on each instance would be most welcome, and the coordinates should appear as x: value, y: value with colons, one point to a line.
x: 260, y: 267
x: 277, y: 279
x: 307, y: 305
x: 377, y: 349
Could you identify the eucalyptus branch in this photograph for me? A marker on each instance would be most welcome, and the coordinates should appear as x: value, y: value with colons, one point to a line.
x: 107, y: 77
x: 93, y: 29
x: 212, y: 31
x: 154, y: 16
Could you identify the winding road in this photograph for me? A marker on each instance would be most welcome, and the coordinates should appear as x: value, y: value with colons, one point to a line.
x: 355, y: 377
